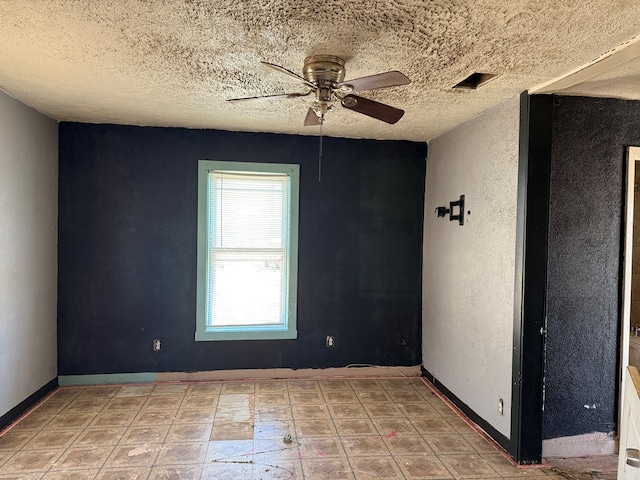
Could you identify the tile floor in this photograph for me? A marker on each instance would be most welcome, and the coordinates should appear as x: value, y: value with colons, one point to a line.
x: 339, y: 429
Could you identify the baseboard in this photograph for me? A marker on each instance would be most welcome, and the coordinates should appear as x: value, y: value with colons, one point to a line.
x: 352, y: 371
x: 490, y: 431
x: 25, y: 405
x: 597, y: 443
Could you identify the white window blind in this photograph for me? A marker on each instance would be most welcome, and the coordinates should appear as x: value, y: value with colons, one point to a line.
x: 248, y: 240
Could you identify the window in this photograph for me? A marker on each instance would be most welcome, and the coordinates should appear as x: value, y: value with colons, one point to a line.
x: 247, y: 250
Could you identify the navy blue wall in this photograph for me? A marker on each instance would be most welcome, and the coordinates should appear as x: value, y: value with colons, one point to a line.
x: 127, y: 250
x: 590, y: 137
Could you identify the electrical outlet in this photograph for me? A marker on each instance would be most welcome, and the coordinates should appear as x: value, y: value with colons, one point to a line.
x: 501, y: 407
x: 157, y: 345
x: 331, y: 341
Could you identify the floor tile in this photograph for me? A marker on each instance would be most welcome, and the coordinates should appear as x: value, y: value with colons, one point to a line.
x: 194, y: 416
x: 354, y: 426
x: 5, y: 455
x: 188, y: 433
x: 232, y: 430
x: 347, y: 410
x: 164, y: 388
x: 135, y: 390
x: 14, y: 439
x: 364, y: 446
x: 422, y: 467
x: 422, y: 409
x: 390, y: 427
x: 449, y: 443
x: 329, y: 429
x: 51, y: 407
x: 241, y: 450
x: 204, y: 388
x: 52, y: 439
x: 21, y: 476
x: 403, y: 444
x: 468, y: 466
x: 277, y: 469
x: 383, y: 468
x: 113, y: 418
x: 340, y: 396
x: 228, y: 471
x: 238, y: 387
x: 155, y: 417
x: 78, y: 458
x: 383, y: 409
x: 182, y: 453
x: 327, y: 468
x: 320, y: 447
x: 133, y: 456
x: 275, y: 448
x: 89, y: 474
x: 430, y: 425
x: 70, y: 421
x: 200, y: 401
x: 303, y: 386
x: 273, y: 429
x: 31, y: 461
x: 274, y: 412
x: 100, y: 436
x: 176, y: 472
x: 163, y: 402
x: 273, y: 398
x: 310, y: 412
x: 314, y: 428
x: 375, y: 397
x: 33, y: 421
x: 80, y: 405
x: 405, y: 396
x: 366, y: 384
x: 142, y: 434
x: 125, y: 403
x: 307, y: 398
x: 129, y: 473
x: 271, y: 386
x: 335, y: 384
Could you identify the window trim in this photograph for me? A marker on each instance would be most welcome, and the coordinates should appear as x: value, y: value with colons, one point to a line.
x: 269, y: 332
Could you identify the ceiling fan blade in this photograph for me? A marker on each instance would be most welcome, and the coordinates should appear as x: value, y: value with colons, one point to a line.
x: 283, y: 95
x: 290, y: 73
x: 380, y: 80
x: 373, y: 109
x: 311, y: 119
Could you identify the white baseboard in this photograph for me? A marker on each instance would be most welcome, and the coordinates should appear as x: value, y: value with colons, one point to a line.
x: 596, y: 443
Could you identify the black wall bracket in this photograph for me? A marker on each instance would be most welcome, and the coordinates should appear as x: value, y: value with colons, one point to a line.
x: 459, y: 216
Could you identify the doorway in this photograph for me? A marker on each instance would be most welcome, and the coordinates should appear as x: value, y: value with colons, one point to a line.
x: 630, y: 342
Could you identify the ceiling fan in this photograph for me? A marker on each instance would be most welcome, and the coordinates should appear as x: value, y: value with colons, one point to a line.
x: 324, y: 75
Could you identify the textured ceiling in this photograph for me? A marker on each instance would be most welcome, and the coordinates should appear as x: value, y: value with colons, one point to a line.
x: 175, y: 62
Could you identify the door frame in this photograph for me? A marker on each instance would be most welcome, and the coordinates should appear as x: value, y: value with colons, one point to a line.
x: 633, y: 156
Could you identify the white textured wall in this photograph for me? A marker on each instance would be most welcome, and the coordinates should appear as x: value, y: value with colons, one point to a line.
x: 468, y: 279
x: 28, y: 251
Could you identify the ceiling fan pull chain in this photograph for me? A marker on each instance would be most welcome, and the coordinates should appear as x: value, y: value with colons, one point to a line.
x: 320, y: 155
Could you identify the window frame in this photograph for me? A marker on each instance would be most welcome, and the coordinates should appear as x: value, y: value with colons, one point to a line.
x: 253, y: 332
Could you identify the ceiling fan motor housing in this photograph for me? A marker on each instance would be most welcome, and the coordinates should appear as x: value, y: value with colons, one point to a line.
x: 323, y: 69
